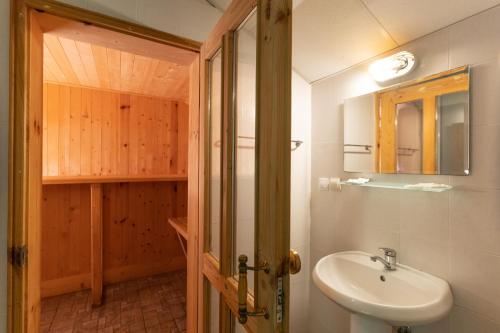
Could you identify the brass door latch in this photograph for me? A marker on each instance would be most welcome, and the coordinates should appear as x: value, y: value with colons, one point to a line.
x: 243, y: 312
x: 294, y: 262
x: 294, y: 266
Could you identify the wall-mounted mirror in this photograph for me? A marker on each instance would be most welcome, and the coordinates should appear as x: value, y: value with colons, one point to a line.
x: 418, y: 127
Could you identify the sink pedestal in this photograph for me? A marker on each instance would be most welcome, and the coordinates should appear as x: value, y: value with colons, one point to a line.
x: 364, y: 324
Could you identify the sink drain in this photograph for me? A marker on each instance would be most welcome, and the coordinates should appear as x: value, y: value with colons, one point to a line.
x: 404, y: 329
x: 382, y: 278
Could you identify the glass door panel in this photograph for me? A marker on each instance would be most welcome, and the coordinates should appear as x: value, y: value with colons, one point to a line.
x: 213, y: 309
x: 215, y: 115
x: 244, y: 143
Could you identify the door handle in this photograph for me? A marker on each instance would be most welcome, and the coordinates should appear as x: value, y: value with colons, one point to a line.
x: 294, y: 262
x: 243, y: 312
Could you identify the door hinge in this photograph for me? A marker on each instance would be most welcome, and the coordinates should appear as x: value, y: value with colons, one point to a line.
x: 19, y: 256
x: 280, y: 301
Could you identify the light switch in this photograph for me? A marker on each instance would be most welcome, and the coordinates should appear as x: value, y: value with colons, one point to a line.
x: 324, y: 184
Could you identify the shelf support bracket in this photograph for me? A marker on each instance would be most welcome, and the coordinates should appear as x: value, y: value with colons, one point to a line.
x: 96, y: 242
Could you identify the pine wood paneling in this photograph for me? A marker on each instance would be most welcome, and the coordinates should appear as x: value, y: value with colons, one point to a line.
x: 97, y: 136
x: 25, y: 147
x: 103, y: 133
x: 136, y: 231
x: 182, y: 138
x: 137, y: 238
x: 67, y: 61
x: 61, y: 59
x: 65, y: 231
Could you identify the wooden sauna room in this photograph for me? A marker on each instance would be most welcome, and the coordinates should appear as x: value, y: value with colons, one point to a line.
x: 115, y: 158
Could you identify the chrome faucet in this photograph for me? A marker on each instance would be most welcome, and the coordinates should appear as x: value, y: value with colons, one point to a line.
x: 390, y: 258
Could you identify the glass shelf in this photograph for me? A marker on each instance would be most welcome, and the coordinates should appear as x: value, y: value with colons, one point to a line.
x: 399, y: 186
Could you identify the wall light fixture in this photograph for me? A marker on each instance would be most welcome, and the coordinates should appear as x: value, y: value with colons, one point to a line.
x: 394, y: 66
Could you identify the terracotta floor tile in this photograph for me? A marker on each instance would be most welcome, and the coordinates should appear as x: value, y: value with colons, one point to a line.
x: 152, y: 304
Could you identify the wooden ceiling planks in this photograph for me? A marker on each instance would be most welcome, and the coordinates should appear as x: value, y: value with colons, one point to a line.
x: 89, y: 65
x: 92, y: 34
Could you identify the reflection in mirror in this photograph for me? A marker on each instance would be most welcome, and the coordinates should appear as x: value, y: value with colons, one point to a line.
x: 418, y: 127
x: 452, y: 118
x: 359, y: 133
x: 409, y: 139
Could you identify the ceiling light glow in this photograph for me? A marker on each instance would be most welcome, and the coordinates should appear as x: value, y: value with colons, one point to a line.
x: 394, y: 66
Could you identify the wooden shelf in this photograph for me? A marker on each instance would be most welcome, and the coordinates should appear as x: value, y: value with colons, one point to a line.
x: 180, y: 225
x: 57, y: 180
x: 181, y: 228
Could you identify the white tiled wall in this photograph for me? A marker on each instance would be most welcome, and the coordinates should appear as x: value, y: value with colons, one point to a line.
x: 455, y: 235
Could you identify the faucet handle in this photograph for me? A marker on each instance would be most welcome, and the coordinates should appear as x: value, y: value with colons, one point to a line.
x: 388, y: 251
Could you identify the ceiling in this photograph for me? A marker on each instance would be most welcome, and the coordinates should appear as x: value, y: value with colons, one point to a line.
x: 332, y: 35
x: 67, y: 61
x: 86, y: 55
x: 223, y: 4
x: 328, y: 35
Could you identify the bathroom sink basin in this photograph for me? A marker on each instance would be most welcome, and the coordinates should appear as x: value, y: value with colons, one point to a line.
x: 402, y: 297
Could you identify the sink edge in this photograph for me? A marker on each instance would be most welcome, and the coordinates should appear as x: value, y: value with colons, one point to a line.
x: 402, y: 315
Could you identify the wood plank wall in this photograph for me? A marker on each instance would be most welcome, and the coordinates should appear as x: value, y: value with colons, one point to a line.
x: 97, y: 132
x: 65, y: 238
x: 136, y: 215
x: 137, y: 239
x: 92, y: 132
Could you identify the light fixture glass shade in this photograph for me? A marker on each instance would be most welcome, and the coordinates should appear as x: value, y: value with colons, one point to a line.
x: 394, y: 66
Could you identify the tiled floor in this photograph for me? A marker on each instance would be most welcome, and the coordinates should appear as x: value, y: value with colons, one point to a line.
x: 153, y: 304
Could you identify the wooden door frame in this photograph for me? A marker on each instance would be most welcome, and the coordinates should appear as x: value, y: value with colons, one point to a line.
x: 273, y: 179
x: 23, y: 309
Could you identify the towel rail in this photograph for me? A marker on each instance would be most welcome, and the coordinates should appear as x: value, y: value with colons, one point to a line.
x: 367, y: 151
x: 296, y: 143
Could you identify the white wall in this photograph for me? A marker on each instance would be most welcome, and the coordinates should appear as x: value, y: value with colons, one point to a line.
x: 188, y: 18
x: 456, y: 234
x: 300, y: 199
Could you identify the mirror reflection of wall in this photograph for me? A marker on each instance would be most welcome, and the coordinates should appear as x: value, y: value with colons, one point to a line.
x: 419, y: 127
x: 409, y: 137
x: 359, y: 140
x: 453, y: 109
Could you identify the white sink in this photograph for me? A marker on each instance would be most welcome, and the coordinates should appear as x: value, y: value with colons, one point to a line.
x: 404, y: 297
